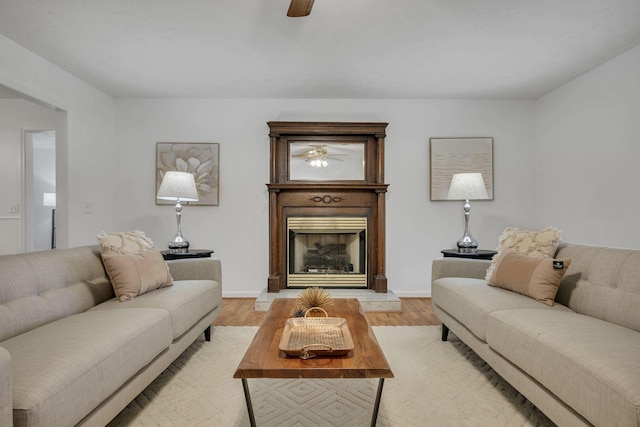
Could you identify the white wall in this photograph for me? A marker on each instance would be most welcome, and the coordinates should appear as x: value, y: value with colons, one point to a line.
x: 106, y: 156
x: 85, y: 149
x: 237, y: 229
x: 569, y: 159
x: 584, y: 139
x: 588, y: 153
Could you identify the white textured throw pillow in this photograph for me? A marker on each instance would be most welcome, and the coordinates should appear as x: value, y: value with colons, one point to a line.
x: 124, y: 242
x: 542, y: 243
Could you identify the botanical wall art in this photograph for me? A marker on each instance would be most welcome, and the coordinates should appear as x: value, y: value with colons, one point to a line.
x: 459, y: 155
x: 201, y: 159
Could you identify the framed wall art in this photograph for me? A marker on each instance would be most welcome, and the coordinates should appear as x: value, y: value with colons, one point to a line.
x: 459, y: 155
x: 201, y: 159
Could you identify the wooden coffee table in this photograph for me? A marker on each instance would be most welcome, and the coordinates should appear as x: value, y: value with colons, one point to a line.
x: 264, y: 359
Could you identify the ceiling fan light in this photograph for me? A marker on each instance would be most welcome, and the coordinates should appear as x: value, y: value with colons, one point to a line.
x: 325, y: 163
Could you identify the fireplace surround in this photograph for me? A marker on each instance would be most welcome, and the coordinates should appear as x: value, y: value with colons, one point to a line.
x: 327, y: 205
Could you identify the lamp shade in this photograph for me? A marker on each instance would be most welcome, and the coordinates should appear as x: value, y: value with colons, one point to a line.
x: 49, y: 199
x: 178, y: 186
x: 467, y: 186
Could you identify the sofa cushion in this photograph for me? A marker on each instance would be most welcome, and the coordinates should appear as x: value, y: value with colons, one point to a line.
x: 542, y: 243
x: 187, y: 302
x: 64, y: 369
x: 6, y: 392
x: 566, y: 352
x: 471, y: 301
x: 602, y: 283
x: 535, y: 277
x: 43, y: 286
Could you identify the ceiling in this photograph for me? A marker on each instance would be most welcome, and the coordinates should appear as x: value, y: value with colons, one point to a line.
x: 501, y: 49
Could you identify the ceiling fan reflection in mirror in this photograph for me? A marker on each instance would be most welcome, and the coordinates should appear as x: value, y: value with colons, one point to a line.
x: 317, y: 155
x: 299, y: 8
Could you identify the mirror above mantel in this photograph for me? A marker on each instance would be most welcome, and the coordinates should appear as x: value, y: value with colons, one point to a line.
x: 320, y: 160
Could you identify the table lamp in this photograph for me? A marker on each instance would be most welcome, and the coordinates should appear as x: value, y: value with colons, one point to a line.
x: 178, y: 187
x: 49, y: 199
x: 465, y: 186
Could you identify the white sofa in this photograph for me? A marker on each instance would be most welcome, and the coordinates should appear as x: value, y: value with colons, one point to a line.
x: 579, y: 360
x: 70, y: 354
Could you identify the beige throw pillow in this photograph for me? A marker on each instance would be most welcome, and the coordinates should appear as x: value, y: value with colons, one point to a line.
x: 536, y: 277
x: 133, y: 263
x: 542, y: 243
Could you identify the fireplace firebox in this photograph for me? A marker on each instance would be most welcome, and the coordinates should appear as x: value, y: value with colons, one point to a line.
x: 327, y: 252
x: 327, y: 205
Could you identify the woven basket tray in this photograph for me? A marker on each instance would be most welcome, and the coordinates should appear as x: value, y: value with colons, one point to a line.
x: 307, y: 337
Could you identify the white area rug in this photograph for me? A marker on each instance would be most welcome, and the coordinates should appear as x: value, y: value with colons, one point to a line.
x: 436, y: 384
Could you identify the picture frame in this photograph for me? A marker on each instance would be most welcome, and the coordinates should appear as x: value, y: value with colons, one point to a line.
x: 200, y: 158
x: 449, y: 156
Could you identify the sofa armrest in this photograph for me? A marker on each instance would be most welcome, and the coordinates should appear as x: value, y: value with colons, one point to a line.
x: 459, y: 267
x: 196, y: 269
x: 6, y: 389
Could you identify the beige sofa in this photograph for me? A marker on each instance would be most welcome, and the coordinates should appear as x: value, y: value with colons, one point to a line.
x: 70, y: 354
x: 579, y: 360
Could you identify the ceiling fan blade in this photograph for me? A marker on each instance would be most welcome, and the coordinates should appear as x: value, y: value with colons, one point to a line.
x: 299, y: 8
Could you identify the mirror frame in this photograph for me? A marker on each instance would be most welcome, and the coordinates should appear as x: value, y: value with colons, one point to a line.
x: 369, y: 135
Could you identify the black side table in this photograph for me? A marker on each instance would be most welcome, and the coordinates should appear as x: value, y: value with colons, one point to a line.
x: 479, y: 254
x: 192, y: 253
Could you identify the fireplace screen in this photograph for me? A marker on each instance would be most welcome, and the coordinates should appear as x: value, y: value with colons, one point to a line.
x: 327, y: 252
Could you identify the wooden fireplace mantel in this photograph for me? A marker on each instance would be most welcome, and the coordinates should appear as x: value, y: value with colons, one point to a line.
x: 363, y: 196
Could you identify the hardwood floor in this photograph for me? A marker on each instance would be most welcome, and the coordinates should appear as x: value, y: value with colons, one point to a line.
x: 238, y: 312
x: 415, y: 312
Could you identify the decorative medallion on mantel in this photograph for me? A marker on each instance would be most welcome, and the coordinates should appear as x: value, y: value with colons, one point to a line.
x: 327, y: 205
x: 326, y: 199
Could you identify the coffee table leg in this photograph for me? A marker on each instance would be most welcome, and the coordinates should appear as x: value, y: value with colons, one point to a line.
x: 376, y: 405
x: 247, y: 397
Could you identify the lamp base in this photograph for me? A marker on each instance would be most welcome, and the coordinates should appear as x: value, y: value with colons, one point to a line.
x: 467, y: 244
x: 178, y: 246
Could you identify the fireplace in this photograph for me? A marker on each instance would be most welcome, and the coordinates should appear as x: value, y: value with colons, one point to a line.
x: 327, y: 252
x: 327, y: 205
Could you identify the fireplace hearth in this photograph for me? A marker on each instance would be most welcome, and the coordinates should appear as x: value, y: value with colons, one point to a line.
x: 327, y: 206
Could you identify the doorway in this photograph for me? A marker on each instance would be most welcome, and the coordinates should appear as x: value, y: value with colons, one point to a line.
x: 40, y: 189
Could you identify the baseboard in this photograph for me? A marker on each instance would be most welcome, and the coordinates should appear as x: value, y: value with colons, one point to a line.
x: 240, y: 294
x: 412, y: 294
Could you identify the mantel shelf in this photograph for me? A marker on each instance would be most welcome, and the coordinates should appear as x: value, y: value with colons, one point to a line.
x: 323, y: 186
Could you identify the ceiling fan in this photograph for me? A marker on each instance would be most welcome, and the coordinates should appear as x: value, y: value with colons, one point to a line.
x: 317, y: 155
x: 299, y: 8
